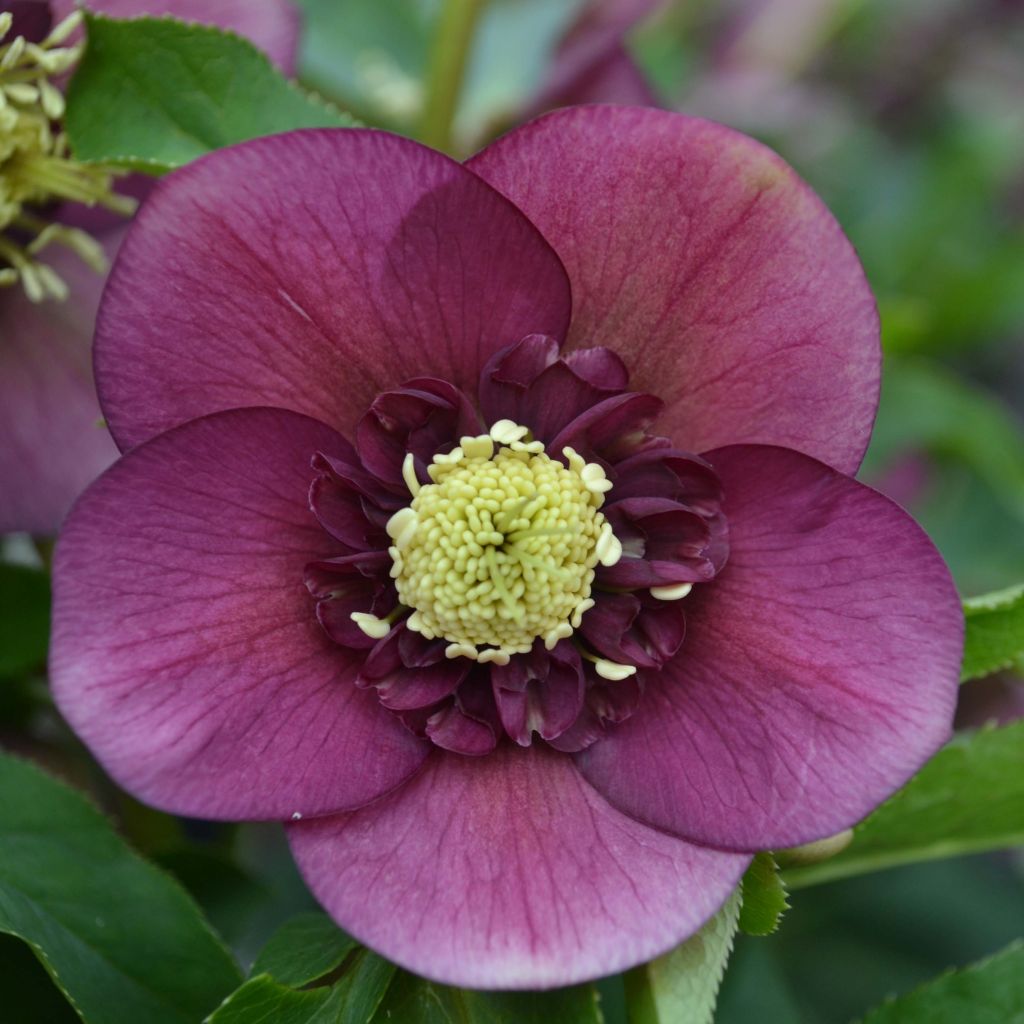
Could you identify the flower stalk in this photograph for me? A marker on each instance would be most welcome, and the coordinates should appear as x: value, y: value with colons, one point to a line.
x: 456, y: 25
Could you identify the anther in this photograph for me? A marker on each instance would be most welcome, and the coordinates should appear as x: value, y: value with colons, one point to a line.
x: 373, y: 627
x: 608, y: 547
x: 505, y: 431
x: 675, y: 592
x: 480, y: 447
x: 401, y: 527
x: 409, y: 474
x: 612, y: 670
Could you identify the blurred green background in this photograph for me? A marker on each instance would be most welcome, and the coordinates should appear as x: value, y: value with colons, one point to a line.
x: 907, y: 116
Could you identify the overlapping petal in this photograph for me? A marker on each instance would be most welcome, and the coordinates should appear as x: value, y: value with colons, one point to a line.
x: 509, y: 871
x: 702, y: 259
x: 54, y: 442
x: 185, y: 648
x: 272, y: 25
x: 819, y: 672
x: 312, y: 271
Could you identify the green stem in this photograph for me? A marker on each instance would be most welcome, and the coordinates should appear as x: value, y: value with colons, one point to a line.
x: 454, y: 33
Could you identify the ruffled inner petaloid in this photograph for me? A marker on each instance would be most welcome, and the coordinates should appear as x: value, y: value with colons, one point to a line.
x: 662, y: 505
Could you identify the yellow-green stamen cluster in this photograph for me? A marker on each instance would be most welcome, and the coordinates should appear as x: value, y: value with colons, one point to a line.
x: 501, y: 547
x: 35, y: 168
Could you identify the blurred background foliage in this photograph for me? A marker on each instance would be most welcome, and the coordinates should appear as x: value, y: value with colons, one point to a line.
x: 907, y: 116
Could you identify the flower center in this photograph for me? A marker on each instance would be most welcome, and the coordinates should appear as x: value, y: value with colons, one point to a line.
x: 35, y: 169
x: 501, y: 548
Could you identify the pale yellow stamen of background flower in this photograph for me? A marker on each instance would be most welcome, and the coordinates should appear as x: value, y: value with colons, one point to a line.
x: 35, y: 168
x: 501, y: 548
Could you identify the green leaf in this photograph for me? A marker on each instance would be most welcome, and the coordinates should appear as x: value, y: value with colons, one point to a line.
x: 120, y: 939
x: 154, y: 93
x: 261, y: 1000
x: 353, y: 1000
x: 24, y: 618
x: 364, y: 987
x: 764, y: 897
x: 988, y: 992
x: 413, y: 1000
x: 969, y: 798
x: 683, y: 985
x: 995, y: 632
x: 303, y: 949
x: 228, y: 894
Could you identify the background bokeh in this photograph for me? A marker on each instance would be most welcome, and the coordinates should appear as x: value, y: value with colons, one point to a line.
x: 907, y: 116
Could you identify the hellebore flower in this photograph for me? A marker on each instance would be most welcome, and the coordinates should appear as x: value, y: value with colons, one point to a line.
x: 592, y: 63
x: 491, y: 525
x: 54, y: 250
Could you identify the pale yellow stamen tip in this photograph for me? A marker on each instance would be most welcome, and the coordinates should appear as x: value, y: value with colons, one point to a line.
x: 409, y: 474
x: 609, y: 548
x: 481, y: 447
x: 561, y: 632
x: 612, y: 670
x: 576, y: 461
x: 36, y: 170
x: 371, y: 625
x: 64, y: 29
x: 401, y: 527
x: 675, y: 592
x: 494, y: 655
x: 595, y: 479
x: 577, y: 615
x: 505, y: 432
x: 530, y: 447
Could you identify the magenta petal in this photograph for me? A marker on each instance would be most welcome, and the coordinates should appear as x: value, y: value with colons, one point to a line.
x: 408, y: 689
x: 347, y: 584
x: 186, y: 651
x: 424, y: 417
x: 509, y: 872
x: 54, y: 443
x: 338, y: 508
x: 702, y: 259
x: 540, y: 692
x: 528, y: 383
x: 610, y: 429
x: 321, y: 268
x: 452, y: 729
x: 663, y: 543
x: 272, y: 25
x: 819, y: 670
x: 634, y: 629
x: 410, y: 673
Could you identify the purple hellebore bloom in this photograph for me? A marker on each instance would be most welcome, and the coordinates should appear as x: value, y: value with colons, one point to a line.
x: 49, y: 417
x: 309, y: 590
x: 592, y: 63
